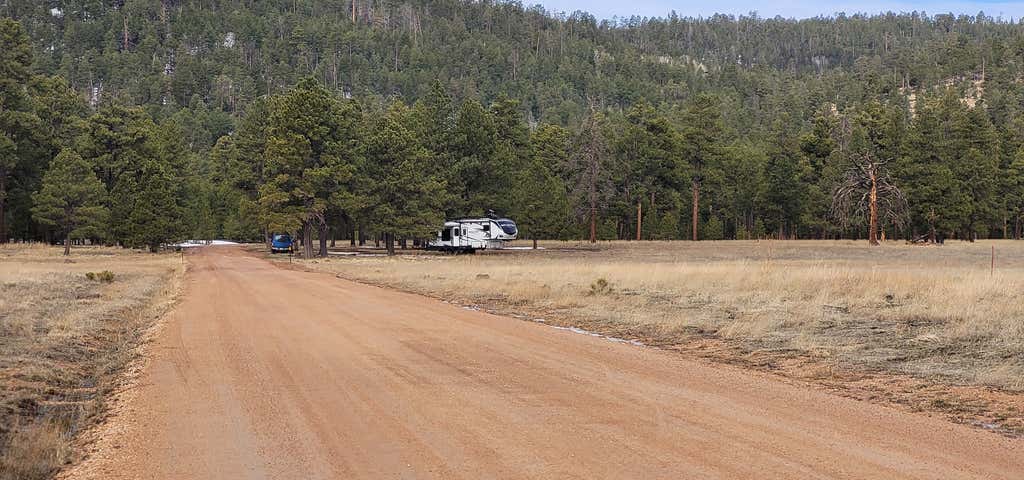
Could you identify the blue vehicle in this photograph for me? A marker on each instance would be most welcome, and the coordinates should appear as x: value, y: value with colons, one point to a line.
x: 282, y: 243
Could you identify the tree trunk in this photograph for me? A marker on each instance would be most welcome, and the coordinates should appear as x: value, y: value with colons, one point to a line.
x: 3, y: 205
x: 323, y: 240
x: 67, y: 242
x: 696, y: 208
x: 534, y: 243
x: 389, y: 241
x: 593, y: 223
x: 873, y: 208
x: 125, y: 33
x: 639, y: 219
x: 267, y: 237
x: 307, y: 239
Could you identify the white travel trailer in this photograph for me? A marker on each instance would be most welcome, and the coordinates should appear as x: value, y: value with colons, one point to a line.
x: 472, y: 234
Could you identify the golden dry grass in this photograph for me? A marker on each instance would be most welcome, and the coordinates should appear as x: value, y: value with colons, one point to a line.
x: 64, y: 338
x: 935, y: 312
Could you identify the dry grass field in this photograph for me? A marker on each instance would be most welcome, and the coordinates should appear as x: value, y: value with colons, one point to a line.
x: 64, y: 340
x: 929, y: 327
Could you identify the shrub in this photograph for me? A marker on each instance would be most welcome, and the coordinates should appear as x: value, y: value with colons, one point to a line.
x: 600, y: 287
x: 105, y: 276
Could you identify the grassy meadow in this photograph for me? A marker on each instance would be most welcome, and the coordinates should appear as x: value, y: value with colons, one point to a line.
x: 68, y: 327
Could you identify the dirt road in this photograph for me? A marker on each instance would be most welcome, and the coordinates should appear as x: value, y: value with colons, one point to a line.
x: 265, y: 373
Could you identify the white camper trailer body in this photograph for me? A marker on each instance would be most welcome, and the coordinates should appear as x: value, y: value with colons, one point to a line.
x: 471, y: 234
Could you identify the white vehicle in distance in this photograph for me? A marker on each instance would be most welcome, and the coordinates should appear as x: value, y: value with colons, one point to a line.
x: 467, y: 235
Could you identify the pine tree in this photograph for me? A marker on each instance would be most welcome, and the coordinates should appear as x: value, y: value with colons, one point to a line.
x: 785, y: 192
x: 478, y: 178
x: 701, y: 130
x: 434, y: 121
x: 590, y: 171
x: 310, y: 155
x: 71, y: 198
x: 405, y: 201
x: 739, y: 184
x: 143, y: 167
x: 928, y: 172
x: 651, y: 167
x: 150, y: 206
x: 19, y: 126
x: 115, y: 139
x: 820, y: 151
x: 242, y: 158
x: 541, y: 205
x: 868, y: 189
x: 1015, y: 194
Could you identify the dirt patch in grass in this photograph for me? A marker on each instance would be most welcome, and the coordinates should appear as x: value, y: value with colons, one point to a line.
x: 68, y: 327
x: 929, y: 328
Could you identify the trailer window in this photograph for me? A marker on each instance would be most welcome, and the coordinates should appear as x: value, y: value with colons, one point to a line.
x: 446, y: 235
x: 508, y: 226
x: 487, y: 227
x: 456, y: 232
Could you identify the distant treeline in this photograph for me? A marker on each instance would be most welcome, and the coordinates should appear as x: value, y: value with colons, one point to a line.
x: 233, y: 119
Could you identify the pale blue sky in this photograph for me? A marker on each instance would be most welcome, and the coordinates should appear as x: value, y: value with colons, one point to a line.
x: 788, y: 8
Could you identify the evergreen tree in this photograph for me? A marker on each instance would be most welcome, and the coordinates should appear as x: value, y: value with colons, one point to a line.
x: 820, y: 152
x: 19, y: 126
x: 977, y: 170
x: 786, y: 192
x: 1015, y: 194
x: 150, y: 204
x: 143, y: 166
x: 115, y: 139
x: 404, y: 201
x: 541, y: 204
x: 310, y: 155
x: 740, y: 184
x: 434, y: 120
x: 928, y: 173
x: 649, y: 152
x: 72, y: 199
x: 590, y: 171
x: 701, y: 131
x: 241, y: 158
x: 479, y: 174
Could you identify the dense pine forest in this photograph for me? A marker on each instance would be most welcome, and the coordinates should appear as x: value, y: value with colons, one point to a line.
x: 139, y: 122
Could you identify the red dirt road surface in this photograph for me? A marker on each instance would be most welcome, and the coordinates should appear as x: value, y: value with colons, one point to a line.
x: 266, y: 373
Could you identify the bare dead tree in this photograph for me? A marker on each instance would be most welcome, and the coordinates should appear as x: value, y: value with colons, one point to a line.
x: 868, y: 190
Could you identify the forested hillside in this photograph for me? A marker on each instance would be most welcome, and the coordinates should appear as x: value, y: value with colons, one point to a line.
x: 231, y: 118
